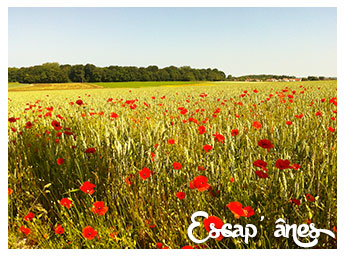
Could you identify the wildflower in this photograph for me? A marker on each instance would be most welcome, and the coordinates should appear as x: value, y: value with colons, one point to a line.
x: 261, y: 164
x: 145, y: 173
x: 265, y: 144
x: 66, y: 203
x: 90, y: 151
x: 201, y: 129
x: 310, y: 198
x: 262, y: 174
x: 200, y: 183
x: 59, y: 229
x: 60, y: 161
x: 218, y: 137
x: 87, y: 187
x: 180, y: 195
x: 56, y: 125
x: 256, y: 125
x: 29, y: 216
x: 295, y: 201
x: 25, y: 230
x: 99, y: 208
x: 216, y: 221
x: 79, y: 102
x: 234, y: 132
x: 238, y: 211
x: 283, y: 164
x: 89, y: 233
x: 177, y: 166
x: 207, y: 148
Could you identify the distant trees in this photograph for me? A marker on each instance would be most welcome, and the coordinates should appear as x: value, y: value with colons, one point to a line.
x: 55, y: 73
x: 258, y: 77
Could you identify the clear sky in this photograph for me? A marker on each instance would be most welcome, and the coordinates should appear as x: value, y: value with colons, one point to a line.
x: 238, y: 41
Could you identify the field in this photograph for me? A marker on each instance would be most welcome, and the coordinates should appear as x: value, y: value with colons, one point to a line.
x: 127, y: 167
x: 75, y: 86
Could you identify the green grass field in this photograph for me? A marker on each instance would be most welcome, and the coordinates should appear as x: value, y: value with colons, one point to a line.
x: 120, y: 140
x: 73, y: 86
x: 16, y: 85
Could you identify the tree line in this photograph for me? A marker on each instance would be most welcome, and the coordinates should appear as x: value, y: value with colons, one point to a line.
x: 265, y: 77
x: 56, y: 73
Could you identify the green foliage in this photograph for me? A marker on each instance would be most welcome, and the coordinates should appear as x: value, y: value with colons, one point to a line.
x: 55, y: 73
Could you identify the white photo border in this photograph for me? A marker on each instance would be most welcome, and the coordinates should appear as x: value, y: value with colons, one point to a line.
x: 171, y: 3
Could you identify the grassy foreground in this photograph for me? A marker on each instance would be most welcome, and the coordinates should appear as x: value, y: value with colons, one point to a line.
x: 104, y: 168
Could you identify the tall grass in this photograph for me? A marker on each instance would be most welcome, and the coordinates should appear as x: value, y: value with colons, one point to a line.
x: 148, y: 211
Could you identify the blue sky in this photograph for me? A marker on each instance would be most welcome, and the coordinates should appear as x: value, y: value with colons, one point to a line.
x: 238, y: 41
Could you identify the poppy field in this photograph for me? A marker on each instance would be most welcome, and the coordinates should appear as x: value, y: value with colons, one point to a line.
x: 127, y: 167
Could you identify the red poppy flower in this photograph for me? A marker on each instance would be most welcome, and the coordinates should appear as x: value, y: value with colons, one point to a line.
x: 207, y: 148
x: 256, y: 125
x: 12, y: 119
x: 187, y: 247
x: 28, y: 125
x: 265, y: 144
x: 89, y: 233
x: 183, y: 111
x: 79, y: 102
x: 25, y: 230
x: 180, y: 195
x: 295, y: 201
x: 56, y: 125
x: 10, y: 191
x: 288, y: 122
x: 171, y: 141
x: 238, y: 211
x: 200, y: 183
x: 60, y: 161
x: 234, y: 132
x: 310, y: 198
x: 159, y: 245
x: 260, y: 163
x: 87, y: 187
x: 59, y: 229
x: 99, y: 208
x: 145, y: 173
x: 90, y: 151
x: 217, y: 222
x: 177, y: 166
x: 331, y: 129
x: 66, y: 203
x: 283, y: 164
x: 218, y: 137
x: 113, y: 115
x: 201, y: 129
x: 29, y: 216
x: 262, y: 174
